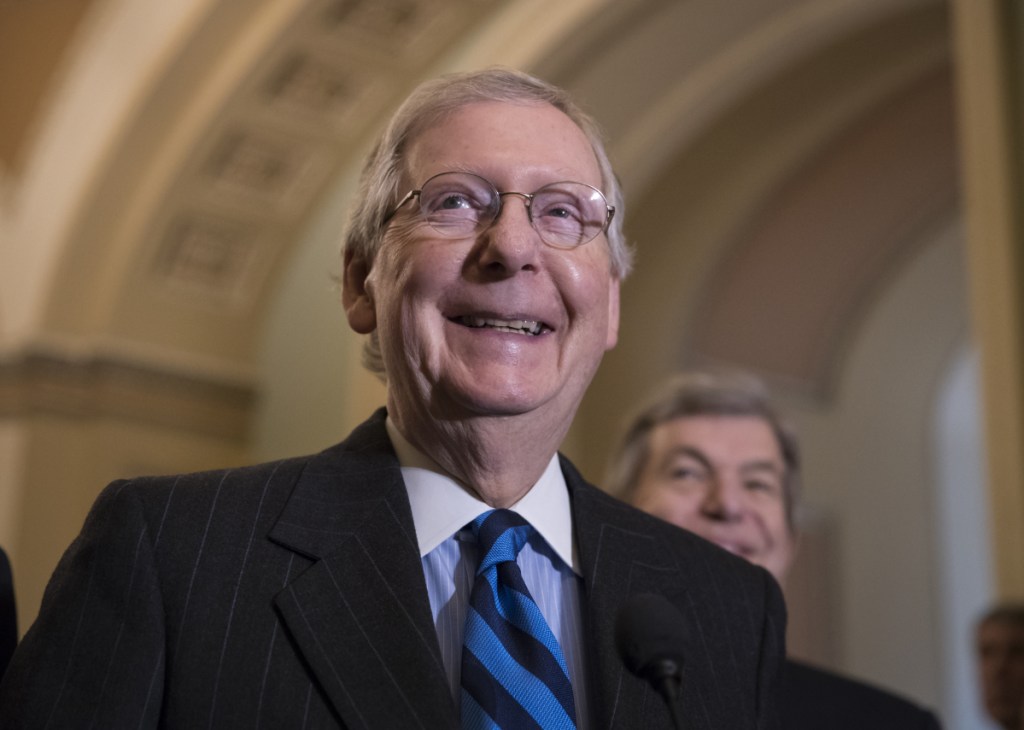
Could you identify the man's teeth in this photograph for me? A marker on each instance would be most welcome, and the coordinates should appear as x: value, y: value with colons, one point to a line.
x: 520, y: 326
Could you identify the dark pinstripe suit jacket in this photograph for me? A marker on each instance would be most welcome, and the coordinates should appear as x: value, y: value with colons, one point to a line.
x: 8, y: 613
x: 291, y: 595
x: 813, y: 699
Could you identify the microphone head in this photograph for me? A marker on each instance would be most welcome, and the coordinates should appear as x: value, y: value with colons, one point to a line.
x: 650, y: 635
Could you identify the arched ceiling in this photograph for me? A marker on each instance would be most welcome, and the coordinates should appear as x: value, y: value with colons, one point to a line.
x: 729, y: 129
x: 34, y: 40
x: 213, y: 180
x: 787, y: 294
x: 764, y: 236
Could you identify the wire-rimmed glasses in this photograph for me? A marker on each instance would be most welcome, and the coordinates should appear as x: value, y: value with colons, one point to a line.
x: 461, y: 204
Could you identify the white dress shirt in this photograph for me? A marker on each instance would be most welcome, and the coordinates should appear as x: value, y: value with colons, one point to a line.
x: 441, y: 510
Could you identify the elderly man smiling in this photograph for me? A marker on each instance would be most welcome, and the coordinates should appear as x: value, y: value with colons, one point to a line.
x: 442, y: 567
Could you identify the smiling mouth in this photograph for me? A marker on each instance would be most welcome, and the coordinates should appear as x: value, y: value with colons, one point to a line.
x: 516, y: 326
x: 736, y: 548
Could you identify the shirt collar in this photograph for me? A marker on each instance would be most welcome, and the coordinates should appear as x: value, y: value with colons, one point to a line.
x: 441, y: 506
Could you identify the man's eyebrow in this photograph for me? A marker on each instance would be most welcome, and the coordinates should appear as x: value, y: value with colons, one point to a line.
x: 691, y: 451
x: 762, y: 465
x: 755, y: 466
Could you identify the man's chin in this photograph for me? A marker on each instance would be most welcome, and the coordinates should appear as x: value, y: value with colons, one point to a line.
x: 494, y: 394
x: 489, y: 402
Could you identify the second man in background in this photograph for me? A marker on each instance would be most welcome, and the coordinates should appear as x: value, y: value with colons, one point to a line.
x: 710, y: 453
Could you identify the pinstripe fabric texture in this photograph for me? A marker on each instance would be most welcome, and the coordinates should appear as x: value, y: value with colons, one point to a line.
x: 292, y: 595
x: 513, y: 672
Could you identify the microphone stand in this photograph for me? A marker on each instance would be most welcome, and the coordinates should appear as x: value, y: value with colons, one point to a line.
x: 650, y: 635
x: 665, y: 676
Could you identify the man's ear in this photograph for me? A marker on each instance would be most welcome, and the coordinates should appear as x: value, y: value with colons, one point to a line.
x: 612, y: 336
x: 356, y: 297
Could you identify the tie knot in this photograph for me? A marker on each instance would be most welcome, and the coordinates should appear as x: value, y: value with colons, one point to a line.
x: 501, y: 534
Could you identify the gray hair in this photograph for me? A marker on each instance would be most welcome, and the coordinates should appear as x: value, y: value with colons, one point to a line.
x: 703, y: 394
x: 1003, y: 613
x: 428, y: 104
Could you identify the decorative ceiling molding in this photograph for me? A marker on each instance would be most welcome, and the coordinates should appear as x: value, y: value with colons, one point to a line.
x: 282, y: 136
x: 228, y: 154
x: 42, y: 383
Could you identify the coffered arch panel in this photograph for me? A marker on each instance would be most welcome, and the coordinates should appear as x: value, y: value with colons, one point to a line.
x: 229, y: 150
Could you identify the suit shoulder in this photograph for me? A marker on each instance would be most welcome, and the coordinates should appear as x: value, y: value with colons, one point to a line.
x: 201, y: 480
x: 813, y: 696
x: 369, y: 437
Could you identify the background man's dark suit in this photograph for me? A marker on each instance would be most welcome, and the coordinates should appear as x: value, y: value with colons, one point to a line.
x: 292, y: 595
x: 813, y: 699
x: 8, y: 613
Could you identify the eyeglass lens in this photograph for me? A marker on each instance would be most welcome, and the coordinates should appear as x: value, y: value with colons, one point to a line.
x: 565, y: 214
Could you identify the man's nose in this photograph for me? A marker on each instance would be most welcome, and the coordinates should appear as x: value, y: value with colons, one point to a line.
x: 724, y: 499
x: 511, y: 242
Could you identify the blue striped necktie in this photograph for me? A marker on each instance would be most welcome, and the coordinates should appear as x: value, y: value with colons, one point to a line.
x: 513, y: 671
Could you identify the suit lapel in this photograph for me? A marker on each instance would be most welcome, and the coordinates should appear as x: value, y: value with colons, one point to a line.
x: 360, y: 614
x: 618, y: 560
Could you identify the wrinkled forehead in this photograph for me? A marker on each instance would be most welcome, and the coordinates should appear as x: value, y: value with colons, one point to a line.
x: 732, y: 438
x: 511, y: 143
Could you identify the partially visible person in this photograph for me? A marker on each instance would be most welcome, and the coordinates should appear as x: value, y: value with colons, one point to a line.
x: 710, y: 453
x: 1000, y: 649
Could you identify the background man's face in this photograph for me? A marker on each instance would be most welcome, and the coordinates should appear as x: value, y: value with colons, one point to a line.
x: 722, y: 478
x: 1001, y: 668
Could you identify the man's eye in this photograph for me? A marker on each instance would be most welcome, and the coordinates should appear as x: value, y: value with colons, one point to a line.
x: 685, y: 472
x: 452, y: 201
x: 759, y: 485
x: 566, y: 212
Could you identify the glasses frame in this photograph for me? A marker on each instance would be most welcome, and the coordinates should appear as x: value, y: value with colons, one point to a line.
x: 500, y: 195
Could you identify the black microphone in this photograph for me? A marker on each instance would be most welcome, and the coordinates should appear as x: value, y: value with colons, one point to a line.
x: 650, y: 635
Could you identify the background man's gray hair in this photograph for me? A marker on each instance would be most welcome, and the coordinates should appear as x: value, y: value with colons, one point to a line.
x: 1006, y: 613
x: 430, y: 103
x: 702, y: 394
